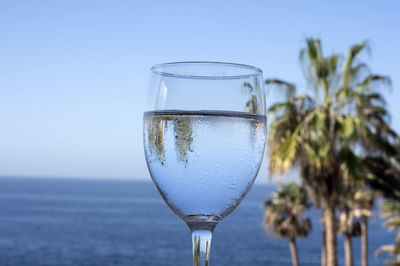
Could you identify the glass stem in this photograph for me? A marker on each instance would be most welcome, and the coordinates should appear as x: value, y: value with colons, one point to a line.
x: 201, y: 240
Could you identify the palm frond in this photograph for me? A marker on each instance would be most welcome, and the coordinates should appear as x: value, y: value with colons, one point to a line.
x: 365, y: 85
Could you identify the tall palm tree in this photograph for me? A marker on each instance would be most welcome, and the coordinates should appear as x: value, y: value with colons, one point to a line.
x: 284, y: 215
x: 318, y: 132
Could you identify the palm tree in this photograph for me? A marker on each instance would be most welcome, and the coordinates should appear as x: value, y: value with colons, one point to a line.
x: 157, y: 127
x: 284, y: 215
x: 348, y: 225
x: 364, y: 203
x: 318, y: 132
x: 391, y: 211
x: 390, y: 208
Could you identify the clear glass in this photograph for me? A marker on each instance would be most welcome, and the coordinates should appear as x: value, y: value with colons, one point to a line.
x: 204, y: 139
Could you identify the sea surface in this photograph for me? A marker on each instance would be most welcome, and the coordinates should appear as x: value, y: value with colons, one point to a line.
x: 54, y: 221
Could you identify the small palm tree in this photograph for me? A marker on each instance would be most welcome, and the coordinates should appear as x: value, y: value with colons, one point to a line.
x: 284, y: 215
x: 391, y: 211
x: 364, y: 203
x: 348, y: 225
x: 182, y: 128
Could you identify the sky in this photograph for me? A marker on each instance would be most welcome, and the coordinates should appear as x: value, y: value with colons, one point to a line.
x: 74, y: 74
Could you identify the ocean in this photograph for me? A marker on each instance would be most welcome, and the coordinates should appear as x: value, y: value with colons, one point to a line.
x: 87, y: 222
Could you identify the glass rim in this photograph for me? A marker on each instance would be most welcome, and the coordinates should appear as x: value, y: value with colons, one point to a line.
x: 253, y: 71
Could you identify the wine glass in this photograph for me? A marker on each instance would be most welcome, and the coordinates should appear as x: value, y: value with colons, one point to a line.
x: 204, y: 138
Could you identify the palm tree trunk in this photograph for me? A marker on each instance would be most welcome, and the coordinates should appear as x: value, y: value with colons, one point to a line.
x: 329, y: 220
x: 364, y: 241
x: 323, y: 249
x: 348, y: 250
x: 293, y: 250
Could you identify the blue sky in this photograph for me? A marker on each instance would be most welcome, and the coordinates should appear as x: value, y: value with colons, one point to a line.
x: 74, y: 74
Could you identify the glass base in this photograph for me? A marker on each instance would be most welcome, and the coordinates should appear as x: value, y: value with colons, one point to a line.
x: 201, y: 222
